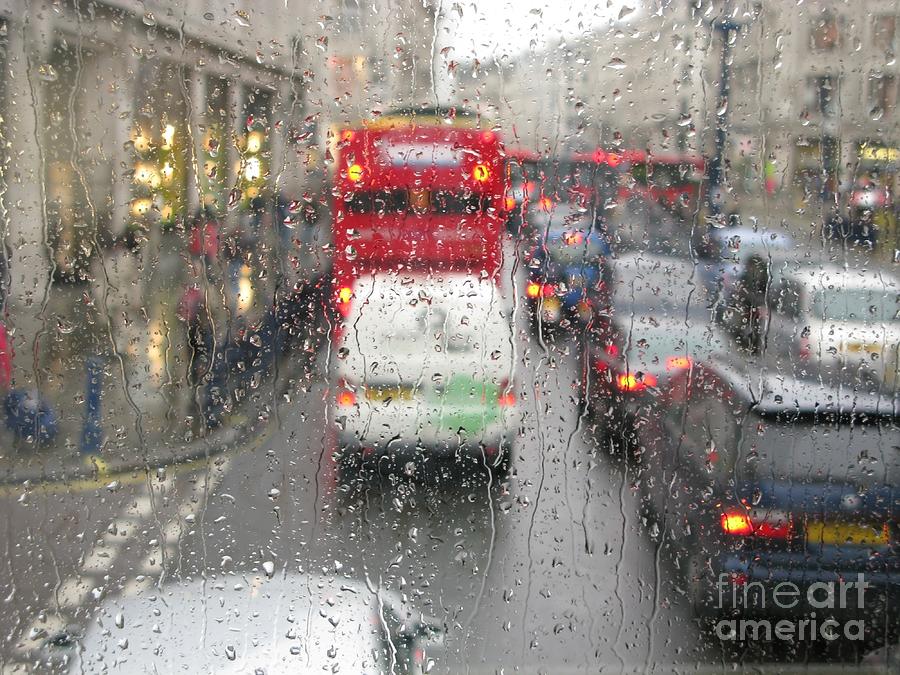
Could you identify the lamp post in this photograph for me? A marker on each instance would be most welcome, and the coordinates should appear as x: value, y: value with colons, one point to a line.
x: 717, y: 164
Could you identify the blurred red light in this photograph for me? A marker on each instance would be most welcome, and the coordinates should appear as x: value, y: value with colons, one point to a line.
x: 612, y: 350
x: 346, y: 397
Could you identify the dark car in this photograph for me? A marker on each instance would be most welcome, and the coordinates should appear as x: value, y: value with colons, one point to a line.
x: 780, y: 498
x: 568, y: 271
x: 631, y: 359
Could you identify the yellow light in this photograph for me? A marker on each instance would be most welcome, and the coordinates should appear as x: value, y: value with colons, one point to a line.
x: 166, y: 212
x: 167, y: 172
x: 252, y: 169
x: 141, y: 207
x: 141, y: 143
x: 168, y: 136
x: 481, y: 173
x: 533, y: 290
x: 354, y: 172
x: 345, y: 294
x: 245, y: 290
x: 254, y: 142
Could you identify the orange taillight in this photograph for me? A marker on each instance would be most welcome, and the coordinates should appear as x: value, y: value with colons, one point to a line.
x: 631, y: 382
x: 510, y: 203
x: 355, y: 172
x: 737, y: 523
x: 344, y: 295
x: 678, y: 362
x: 533, y: 290
x: 481, y: 172
x: 346, y: 398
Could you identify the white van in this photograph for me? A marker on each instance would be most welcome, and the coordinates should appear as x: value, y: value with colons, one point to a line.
x: 423, y: 370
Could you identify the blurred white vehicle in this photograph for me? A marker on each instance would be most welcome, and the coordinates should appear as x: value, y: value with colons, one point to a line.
x: 423, y: 371
x: 295, y: 623
x: 835, y: 317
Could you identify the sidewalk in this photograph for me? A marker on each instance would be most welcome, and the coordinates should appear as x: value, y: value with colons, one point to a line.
x: 138, y: 410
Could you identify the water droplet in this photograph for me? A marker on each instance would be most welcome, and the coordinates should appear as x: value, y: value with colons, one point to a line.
x: 230, y: 653
x: 274, y: 493
x: 350, y: 253
x: 242, y: 18
x: 149, y: 19
x: 161, y: 473
x: 208, y: 16
x: 409, y: 468
x: 47, y: 73
x: 234, y: 197
x: 255, y: 340
x: 269, y: 568
x: 120, y: 620
x: 616, y: 63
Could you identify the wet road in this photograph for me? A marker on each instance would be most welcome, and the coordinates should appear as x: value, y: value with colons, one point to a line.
x: 550, y: 570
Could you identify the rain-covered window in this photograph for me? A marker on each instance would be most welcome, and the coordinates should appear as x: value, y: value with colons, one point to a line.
x: 422, y: 336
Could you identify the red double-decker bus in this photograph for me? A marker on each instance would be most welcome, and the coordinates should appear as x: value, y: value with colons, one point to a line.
x: 414, y: 195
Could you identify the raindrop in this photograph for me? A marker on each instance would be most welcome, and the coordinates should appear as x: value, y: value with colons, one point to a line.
x: 242, y: 18
x: 208, y: 16
x: 616, y: 63
x: 722, y: 109
x: 47, y: 73
x: 230, y: 653
x: 234, y: 197
x: 684, y: 120
x: 269, y: 568
x: 274, y: 493
x: 625, y: 11
x: 350, y: 253
x: 120, y: 620
x: 149, y: 19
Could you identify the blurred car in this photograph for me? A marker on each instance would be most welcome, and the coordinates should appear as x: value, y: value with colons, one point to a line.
x: 637, y: 354
x: 568, y: 271
x: 757, y: 478
x: 284, y: 624
x: 834, y: 318
x: 424, y: 371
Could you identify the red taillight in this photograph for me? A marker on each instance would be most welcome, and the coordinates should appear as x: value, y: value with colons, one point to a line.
x: 678, y: 362
x: 536, y: 290
x: 632, y: 382
x: 488, y: 136
x: 346, y: 398
x: 612, y: 350
x: 506, y: 400
x: 344, y: 295
x: 613, y: 159
x: 757, y: 522
x: 510, y: 203
x: 347, y: 135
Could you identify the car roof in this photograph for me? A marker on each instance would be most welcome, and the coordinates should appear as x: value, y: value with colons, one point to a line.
x: 766, y: 387
x: 827, y: 275
x: 282, y: 622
